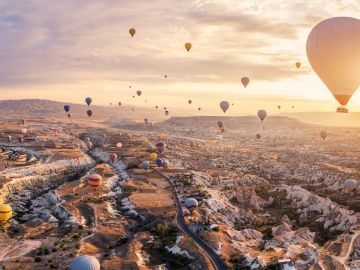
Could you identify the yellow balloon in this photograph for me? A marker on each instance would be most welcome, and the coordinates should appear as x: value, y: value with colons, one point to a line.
x: 298, y: 64
x: 162, y: 136
x: 188, y: 46
x: 153, y: 156
x: 5, y: 213
x: 132, y: 31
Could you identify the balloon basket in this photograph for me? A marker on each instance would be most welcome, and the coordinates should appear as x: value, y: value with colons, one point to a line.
x: 342, y: 109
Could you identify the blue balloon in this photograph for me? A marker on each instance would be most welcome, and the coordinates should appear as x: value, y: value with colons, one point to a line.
x: 159, y: 162
x: 67, y: 108
x: 88, y: 100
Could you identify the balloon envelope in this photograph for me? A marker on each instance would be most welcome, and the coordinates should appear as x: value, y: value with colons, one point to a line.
x: 153, y: 156
x: 85, y: 262
x: 159, y: 162
x: 188, y: 46
x: 94, y: 181
x: 224, y: 105
x: 146, y: 164
x: 262, y: 114
x: 138, y: 92
x: 88, y: 100
x: 113, y: 157
x: 245, y: 81
x: 323, y: 134
x: 89, y: 113
x: 5, y: 213
x: 191, y: 204
x: 333, y: 50
x: 132, y: 31
x: 66, y: 108
x: 297, y: 64
x: 350, y: 185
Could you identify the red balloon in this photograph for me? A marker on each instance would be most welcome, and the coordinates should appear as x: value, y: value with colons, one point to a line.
x: 94, y: 181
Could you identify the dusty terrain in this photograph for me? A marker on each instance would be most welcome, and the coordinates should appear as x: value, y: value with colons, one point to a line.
x: 260, y: 200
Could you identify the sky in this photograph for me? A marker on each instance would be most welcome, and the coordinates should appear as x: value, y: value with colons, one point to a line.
x: 67, y: 50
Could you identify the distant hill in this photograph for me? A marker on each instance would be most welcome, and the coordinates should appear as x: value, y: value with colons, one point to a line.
x: 47, y: 109
x: 233, y: 122
x: 351, y: 119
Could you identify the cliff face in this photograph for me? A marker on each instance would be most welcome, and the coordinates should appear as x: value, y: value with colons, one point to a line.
x: 34, y: 180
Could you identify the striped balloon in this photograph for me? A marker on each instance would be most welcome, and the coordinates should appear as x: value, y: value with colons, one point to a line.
x: 94, y: 181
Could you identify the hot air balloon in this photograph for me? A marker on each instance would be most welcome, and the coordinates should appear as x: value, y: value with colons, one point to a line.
x: 132, y: 31
x: 66, y: 108
x: 333, y: 50
x: 113, y: 157
x: 189, y: 101
x: 220, y: 124
x: 258, y: 136
x: 166, y: 113
x: 224, y: 105
x: 350, y: 185
x: 88, y: 100
x: 262, y: 115
x: 188, y: 46
x: 191, y: 204
x: 119, y: 103
x: 89, y: 113
x: 23, y: 121
x: 119, y: 145
x: 159, y: 162
x: 297, y: 64
x: 5, y: 213
x: 199, y: 109
x: 279, y: 107
x: 94, y: 181
x: 85, y: 262
x: 245, y: 81
x: 164, y: 108
x: 165, y: 76
x: 138, y: 92
x: 146, y: 121
x: 145, y: 165
x: 150, y: 149
x: 156, y: 107
x: 153, y: 156
x: 323, y: 134
x: 165, y: 164
x: 133, y: 96
x: 160, y: 146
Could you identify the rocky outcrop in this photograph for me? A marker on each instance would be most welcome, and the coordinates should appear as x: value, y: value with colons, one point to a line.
x: 37, y: 178
x: 316, y: 210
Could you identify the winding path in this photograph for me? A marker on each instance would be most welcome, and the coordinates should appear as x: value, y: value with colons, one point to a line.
x: 215, y: 259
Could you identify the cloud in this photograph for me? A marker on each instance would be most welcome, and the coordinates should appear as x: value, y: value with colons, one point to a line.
x: 87, y: 43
